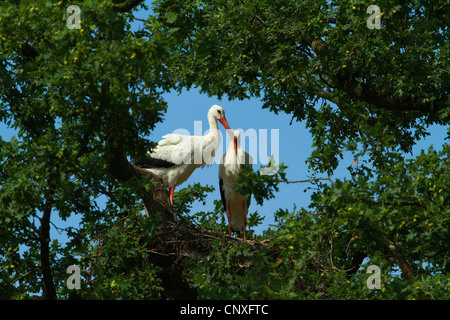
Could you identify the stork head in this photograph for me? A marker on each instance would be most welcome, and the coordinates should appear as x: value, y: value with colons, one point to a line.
x: 217, y: 113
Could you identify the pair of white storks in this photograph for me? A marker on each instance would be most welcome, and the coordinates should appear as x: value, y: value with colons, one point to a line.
x: 175, y: 158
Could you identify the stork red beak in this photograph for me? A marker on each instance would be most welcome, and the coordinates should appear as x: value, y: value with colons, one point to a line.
x: 235, y: 145
x: 224, y: 122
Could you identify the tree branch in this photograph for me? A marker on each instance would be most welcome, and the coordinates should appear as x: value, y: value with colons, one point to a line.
x: 398, y: 253
x: 308, y: 180
x: 126, y: 6
x: 365, y: 92
x: 357, y: 259
x: 50, y: 291
x: 122, y: 170
x: 382, y: 99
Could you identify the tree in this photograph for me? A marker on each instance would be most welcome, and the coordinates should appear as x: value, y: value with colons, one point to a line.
x: 83, y: 101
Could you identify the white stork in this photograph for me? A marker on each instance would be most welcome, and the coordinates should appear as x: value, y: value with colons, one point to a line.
x: 175, y: 157
x: 235, y: 205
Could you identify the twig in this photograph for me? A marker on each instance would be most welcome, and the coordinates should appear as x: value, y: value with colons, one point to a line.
x: 19, y: 277
x: 308, y: 180
x: 139, y: 19
x: 260, y: 19
x: 173, y: 229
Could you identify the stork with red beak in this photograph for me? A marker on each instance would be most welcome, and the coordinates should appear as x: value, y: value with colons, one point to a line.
x: 235, y: 205
x: 175, y: 158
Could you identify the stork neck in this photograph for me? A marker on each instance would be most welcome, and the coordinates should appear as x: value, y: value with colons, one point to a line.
x: 213, y: 128
x: 210, y: 142
x: 231, y: 157
x: 212, y: 122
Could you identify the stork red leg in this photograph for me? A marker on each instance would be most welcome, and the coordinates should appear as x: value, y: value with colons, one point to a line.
x: 243, y: 216
x: 171, y: 195
x: 229, y: 218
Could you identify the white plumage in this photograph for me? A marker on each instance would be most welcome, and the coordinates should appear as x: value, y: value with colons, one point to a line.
x: 176, y: 157
x: 235, y: 205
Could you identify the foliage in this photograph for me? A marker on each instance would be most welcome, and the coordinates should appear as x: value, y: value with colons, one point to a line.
x: 66, y: 92
x: 75, y: 95
x: 121, y: 268
x: 261, y: 186
x: 372, y: 83
x: 312, y: 252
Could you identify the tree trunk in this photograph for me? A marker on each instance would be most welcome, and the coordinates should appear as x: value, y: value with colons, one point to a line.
x: 44, y: 237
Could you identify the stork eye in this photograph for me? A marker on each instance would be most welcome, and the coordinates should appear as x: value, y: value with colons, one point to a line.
x: 219, y: 112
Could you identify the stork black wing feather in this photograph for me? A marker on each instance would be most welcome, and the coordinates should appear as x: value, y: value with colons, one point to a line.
x: 149, y: 162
